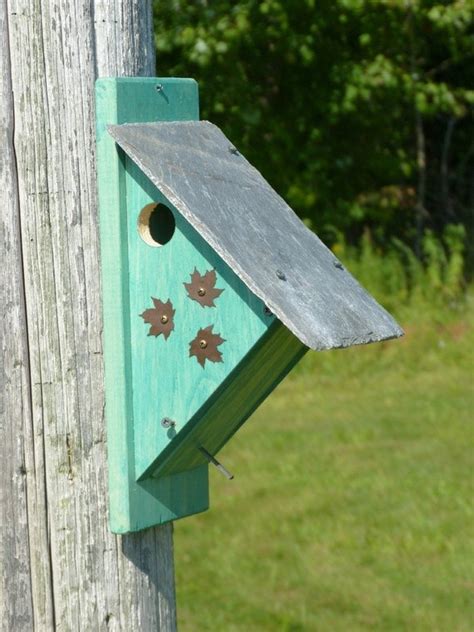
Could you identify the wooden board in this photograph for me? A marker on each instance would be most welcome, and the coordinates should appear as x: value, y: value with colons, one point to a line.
x: 133, y: 506
x: 256, y: 233
x: 61, y: 567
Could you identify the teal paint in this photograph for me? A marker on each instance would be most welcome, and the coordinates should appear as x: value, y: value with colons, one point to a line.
x: 254, y: 378
x: 166, y: 381
x: 156, y: 473
x: 133, y: 505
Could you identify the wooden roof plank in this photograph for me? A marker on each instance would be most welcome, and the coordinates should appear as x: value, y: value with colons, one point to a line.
x: 256, y: 233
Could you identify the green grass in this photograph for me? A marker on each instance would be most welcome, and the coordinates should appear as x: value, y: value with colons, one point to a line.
x: 351, y: 508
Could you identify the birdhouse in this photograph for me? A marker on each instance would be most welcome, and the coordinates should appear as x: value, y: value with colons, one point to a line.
x: 213, y: 290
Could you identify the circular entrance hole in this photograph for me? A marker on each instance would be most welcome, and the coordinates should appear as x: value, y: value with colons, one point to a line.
x: 156, y: 224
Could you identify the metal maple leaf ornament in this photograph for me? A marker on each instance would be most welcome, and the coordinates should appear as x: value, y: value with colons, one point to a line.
x: 204, y: 346
x: 160, y: 318
x: 203, y: 288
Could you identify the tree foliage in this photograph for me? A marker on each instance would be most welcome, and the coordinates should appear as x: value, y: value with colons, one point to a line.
x: 358, y: 112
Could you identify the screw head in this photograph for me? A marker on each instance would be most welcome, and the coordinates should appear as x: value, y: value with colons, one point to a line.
x: 281, y: 275
x: 203, y: 344
x: 201, y: 292
x: 164, y: 319
x: 166, y: 422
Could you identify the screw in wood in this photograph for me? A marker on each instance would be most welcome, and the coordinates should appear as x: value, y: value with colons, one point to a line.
x: 223, y: 470
x: 281, y: 275
x: 201, y: 292
x: 203, y: 344
x: 164, y: 319
x: 166, y: 422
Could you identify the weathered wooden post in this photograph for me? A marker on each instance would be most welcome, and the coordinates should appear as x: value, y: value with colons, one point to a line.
x: 61, y: 567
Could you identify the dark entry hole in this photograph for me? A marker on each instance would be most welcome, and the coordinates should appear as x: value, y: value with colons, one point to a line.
x: 156, y: 224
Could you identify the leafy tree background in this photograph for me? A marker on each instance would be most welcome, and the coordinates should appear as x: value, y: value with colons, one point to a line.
x: 358, y: 112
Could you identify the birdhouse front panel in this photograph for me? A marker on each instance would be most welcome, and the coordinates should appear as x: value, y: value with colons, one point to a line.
x: 192, y: 321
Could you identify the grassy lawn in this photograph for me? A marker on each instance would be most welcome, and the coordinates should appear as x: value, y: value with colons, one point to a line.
x: 351, y: 507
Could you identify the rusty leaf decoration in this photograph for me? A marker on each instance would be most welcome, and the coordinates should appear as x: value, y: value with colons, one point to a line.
x: 160, y: 318
x: 204, y: 346
x: 203, y: 288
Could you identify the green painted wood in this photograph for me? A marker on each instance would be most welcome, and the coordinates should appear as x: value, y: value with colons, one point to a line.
x: 166, y: 381
x: 158, y: 474
x: 245, y: 388
x: 133, y: 505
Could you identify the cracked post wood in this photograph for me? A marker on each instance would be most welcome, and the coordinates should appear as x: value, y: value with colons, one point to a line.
x: 61, y: 568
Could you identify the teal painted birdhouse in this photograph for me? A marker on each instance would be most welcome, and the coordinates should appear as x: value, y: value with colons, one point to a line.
x: 213, y: 290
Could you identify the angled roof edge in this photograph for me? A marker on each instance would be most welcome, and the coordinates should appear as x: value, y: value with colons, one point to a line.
x: 256, y: 233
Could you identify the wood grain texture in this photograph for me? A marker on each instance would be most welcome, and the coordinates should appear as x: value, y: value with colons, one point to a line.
x: 15, y: 411
x: 61, y: 567
x: 256, y: 233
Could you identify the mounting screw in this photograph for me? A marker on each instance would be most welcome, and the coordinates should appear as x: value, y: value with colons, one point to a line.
x: 233, y: 150
x: 267, y: 311
x: 164, y: 319
x: 281, y: 275
x: 166, y: 422
x: 338, y: 264
x: 201, y: 292
x: 203, y: 344
x: 159, y: 87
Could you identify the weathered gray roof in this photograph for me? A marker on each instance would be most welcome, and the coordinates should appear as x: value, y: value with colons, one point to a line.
x: 258, y: 235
